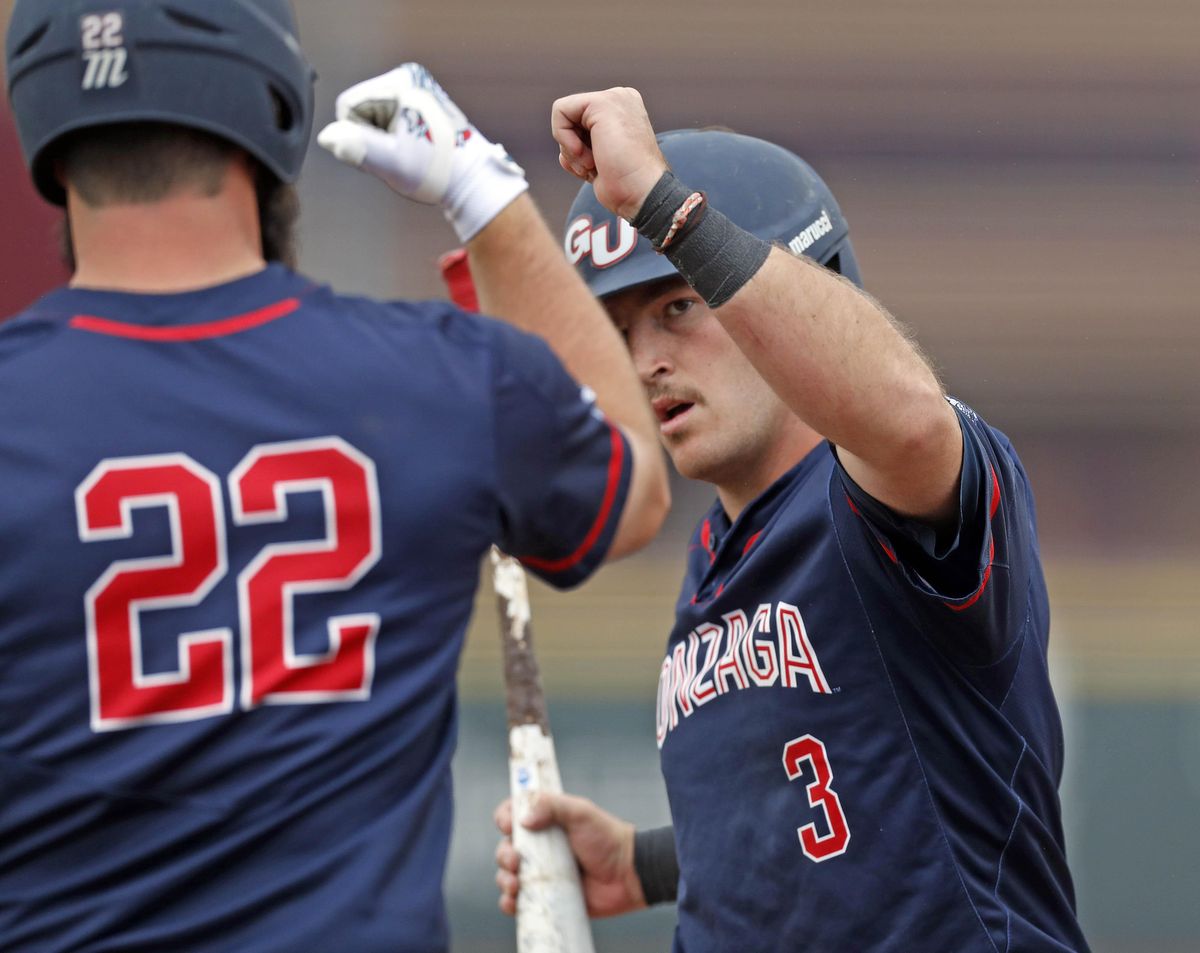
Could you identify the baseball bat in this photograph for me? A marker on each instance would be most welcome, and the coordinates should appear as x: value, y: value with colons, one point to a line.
x: 551, y: 913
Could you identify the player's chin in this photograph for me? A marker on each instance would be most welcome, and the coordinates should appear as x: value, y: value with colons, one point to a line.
x: 693, y: 458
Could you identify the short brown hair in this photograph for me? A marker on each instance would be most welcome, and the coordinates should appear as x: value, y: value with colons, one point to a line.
x: 142, y: 163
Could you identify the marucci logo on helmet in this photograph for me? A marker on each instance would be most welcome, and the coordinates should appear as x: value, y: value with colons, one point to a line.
x: 811, y: 234
x: 582, y: 240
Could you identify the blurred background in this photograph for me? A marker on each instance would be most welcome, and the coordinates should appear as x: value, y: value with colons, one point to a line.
x: 1023, y: 186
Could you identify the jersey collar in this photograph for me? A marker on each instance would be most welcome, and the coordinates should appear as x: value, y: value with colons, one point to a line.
x: 262, y: 290
x: 718, y: 545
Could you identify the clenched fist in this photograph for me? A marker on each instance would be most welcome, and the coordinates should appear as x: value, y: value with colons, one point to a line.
x: 606, y: 138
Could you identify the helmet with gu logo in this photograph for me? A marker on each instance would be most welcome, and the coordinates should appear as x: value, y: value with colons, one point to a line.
x: 762, y: 187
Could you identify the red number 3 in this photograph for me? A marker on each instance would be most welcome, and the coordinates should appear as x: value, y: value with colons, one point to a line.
x: 815, y: 846
x: 122, y: 693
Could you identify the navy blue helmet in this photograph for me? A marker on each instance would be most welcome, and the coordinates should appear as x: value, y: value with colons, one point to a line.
x: 232, y: 68
x: 762, y: 187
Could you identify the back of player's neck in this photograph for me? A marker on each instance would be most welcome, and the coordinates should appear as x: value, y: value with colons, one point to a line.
x: 182, y: 243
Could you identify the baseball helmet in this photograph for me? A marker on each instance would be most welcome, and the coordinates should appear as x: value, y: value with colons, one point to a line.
x: 232, y: 68
x: 761, y: 187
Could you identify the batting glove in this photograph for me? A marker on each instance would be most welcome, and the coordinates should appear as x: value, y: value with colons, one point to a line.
x: 403, y: 128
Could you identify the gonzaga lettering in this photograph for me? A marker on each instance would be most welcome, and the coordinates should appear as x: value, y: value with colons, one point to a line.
x: 768, y: 648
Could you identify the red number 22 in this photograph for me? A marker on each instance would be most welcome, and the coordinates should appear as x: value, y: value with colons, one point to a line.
x: 122, y: 693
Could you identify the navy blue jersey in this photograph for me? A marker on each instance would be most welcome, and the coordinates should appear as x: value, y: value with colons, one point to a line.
x: 860, y: 743
x: 241, y: 531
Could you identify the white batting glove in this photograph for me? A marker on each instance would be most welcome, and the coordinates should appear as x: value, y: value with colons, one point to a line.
x: 403, y: 128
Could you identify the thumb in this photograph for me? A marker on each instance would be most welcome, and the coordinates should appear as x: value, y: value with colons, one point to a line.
x: 346, y: 140
x: 546, y: 810
x: 408, y: 164
x: 561, y: 810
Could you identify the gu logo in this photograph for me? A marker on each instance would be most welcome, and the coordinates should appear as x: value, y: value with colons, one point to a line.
x: 104, y: 53
x: 583, y: 240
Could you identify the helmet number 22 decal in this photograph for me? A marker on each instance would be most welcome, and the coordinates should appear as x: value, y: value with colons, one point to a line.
x: 104, y: 55
x: 123, y: 694
x: 810, y: 751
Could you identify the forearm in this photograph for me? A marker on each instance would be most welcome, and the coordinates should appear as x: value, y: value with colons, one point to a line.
x: 520, y: 275
x: 835, y: 357
x: 830, y: 352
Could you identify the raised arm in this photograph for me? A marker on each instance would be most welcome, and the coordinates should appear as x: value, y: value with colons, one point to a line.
x: 829, y: 351
x: 521, y: 275
x: 405, y: 129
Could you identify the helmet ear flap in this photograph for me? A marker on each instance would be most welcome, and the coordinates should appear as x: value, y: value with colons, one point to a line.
x: 844, y: 262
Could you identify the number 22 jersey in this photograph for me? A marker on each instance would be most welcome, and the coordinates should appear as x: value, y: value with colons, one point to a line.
x: 857, y: 730
x: 240, y: 536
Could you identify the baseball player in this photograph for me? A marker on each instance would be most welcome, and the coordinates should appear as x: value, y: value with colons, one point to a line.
x: 243, y: 514
x: 857, y: 730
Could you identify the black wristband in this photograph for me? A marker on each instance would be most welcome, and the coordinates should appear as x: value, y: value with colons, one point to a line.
x: 669, y: 212
x: 656, y: 865
x: 715, y: 256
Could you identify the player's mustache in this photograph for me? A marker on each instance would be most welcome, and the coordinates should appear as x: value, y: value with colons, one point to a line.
x: 679, y: 395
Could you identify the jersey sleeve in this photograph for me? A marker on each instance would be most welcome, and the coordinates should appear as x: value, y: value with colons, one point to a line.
x: 968, y: 582
x: 563, y: 468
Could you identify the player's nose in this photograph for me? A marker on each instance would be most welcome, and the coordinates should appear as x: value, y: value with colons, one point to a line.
x: 649, y: 351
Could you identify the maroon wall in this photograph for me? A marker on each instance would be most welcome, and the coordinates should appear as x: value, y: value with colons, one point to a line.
x: 29, y: 260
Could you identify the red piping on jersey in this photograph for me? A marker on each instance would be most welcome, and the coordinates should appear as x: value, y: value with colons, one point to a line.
x: 187, y: 332
x: 891, y: 553
x: 615, y: 462
x: 987, y: 573
x: 706, y: 539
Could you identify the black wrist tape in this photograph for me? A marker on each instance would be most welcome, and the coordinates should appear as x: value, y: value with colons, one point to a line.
x: 656, y: 865
x: 715, y: 256
x: 656, y: 217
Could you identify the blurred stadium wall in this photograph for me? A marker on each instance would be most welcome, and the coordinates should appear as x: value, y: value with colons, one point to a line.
x: 1023, y: 187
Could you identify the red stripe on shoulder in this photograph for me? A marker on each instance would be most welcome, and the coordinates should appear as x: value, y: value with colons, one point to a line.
x: 186, y: 332
x: 615, y: 463
x: 987, y: 573
x: 891, y: 553
x: 987, y: 576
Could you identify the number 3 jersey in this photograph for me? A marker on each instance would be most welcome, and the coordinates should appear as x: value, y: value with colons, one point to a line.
x: 240, y: 535
x: 861, y: 747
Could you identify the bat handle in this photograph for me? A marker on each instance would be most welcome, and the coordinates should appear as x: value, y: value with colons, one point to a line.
x: 551, y: 915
